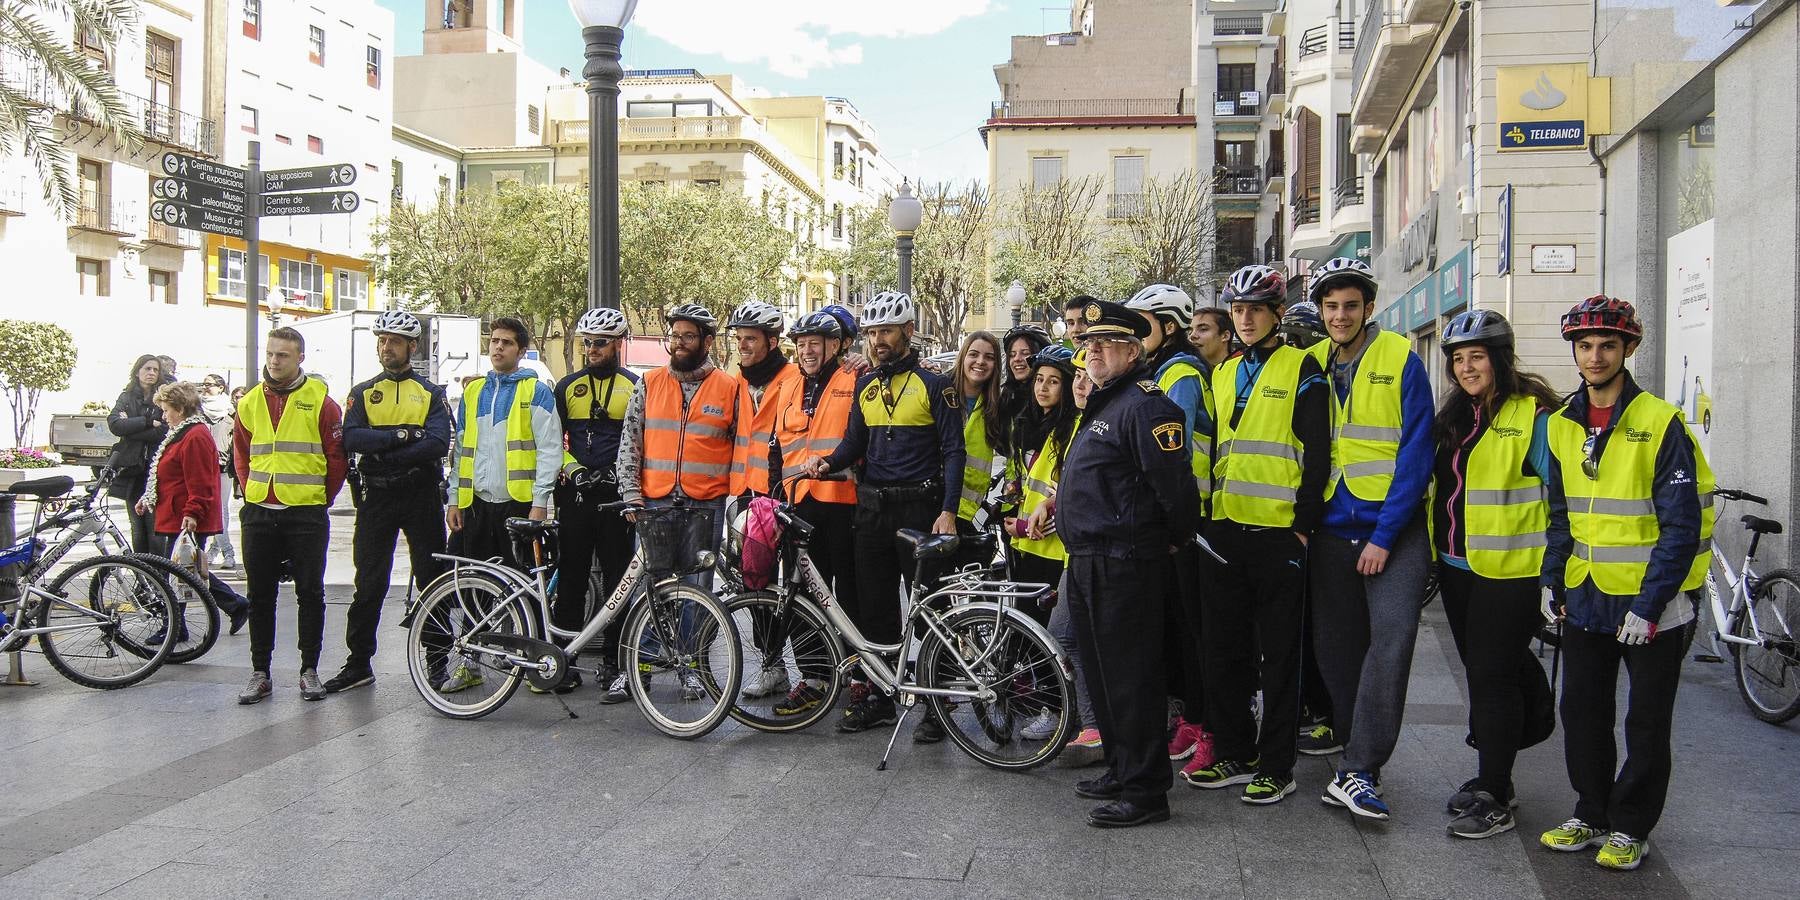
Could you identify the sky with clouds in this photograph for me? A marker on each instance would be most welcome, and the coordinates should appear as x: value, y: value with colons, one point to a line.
x: 921, y: 71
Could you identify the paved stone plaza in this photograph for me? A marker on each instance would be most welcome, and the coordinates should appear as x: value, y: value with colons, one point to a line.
x: 169, y: 789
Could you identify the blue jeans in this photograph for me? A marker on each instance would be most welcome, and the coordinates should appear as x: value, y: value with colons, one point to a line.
x: 711, y: 538
x: 1063, y: 630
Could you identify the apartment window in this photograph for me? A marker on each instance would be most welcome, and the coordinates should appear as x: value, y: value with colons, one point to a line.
x: 252, y: 120
x: 253, y: 19
x: 1342, y: 157
x: 352, y: 290
x: 531, y: 119
x: 315, y: 39
x: 162, y: 287
x: 1237, y: 242
x: 91, y: 47
x: 159, y: 71
x: 284, y: 139
x: 837, y: 159
x: 374, y: 66
x: 837, y: 220
x: 302, y: 283
x: 1128, y: 187
x: 315, y: 144
x: 707, y: 182
x: 92, y: 274
x: 397, y: 170
x: 443, y: 186
x: 1046, y: 171
x: 231, y: 273
x: 1236, y: 78
x: 96, y: 208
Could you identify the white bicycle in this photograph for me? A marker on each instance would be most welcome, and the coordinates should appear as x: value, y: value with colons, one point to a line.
x: 1757, y: 629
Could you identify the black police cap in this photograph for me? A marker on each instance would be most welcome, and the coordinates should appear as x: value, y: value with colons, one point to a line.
x: 1106, y: 319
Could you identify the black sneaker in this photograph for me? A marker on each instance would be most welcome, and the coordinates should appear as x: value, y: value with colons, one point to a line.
x: 929, y: 730
x: 349, y: 678
x: 1484, y: 818
x: 240, y: 617
x: 1464, y: 798
x: 874, y: 712
x: 1318, y: 740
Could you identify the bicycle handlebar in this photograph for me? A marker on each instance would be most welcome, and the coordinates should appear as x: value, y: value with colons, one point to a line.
x: 1730, y: 494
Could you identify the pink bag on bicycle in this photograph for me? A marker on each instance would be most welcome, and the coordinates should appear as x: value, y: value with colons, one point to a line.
x: 762, y: 541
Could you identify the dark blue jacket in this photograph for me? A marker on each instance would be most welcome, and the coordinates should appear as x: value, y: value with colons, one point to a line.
x: 594, y: 441
x: 1677, y: 505
x: 1127, y: 487
x: 1380, y: 521
x: 908, y: 454
x: 382, y: 452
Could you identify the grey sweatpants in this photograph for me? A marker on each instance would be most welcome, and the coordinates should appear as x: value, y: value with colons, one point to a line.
x: 1363, y: 632
x: 1063, y: 630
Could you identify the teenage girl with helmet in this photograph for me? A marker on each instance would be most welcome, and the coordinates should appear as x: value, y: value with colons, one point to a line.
x: 1630, y: 524
x: 1488, y: 512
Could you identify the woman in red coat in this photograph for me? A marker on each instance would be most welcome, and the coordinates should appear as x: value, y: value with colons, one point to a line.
x: 183, y: 488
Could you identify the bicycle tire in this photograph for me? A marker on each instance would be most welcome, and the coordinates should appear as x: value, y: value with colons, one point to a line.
x: 202, y: 615
x: 431, y: 639
x: 141, y: 611
x: 1763, y: 670
x: 810, y: 639
x: 1012, y: 648
x: 710, y: 649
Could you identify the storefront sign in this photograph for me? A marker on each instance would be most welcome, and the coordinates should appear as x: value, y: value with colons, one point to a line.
x: 1688, y: 308
x: 1551, y: 107
x: 1443, y: 291
x: 1418, y: 243
x: 1553, y: 258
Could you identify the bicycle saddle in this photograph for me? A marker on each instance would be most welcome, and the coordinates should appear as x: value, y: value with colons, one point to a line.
x: 1760, y: 526
x: 926, y: 546
x: 522, y: 527
x: 54, y: 486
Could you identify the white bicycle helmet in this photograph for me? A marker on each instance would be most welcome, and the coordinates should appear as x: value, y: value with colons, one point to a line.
x: 757, y: 314
x: 400, y: 322
x: 695, y: 313
x: 603, y: 322
x: 889, y: 308
x: 1338, y: 272
x: 1164, y: 300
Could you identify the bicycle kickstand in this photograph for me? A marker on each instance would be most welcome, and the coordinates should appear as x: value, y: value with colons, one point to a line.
x: 900, y: 720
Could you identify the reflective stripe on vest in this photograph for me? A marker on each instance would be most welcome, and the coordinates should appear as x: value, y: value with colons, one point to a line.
x: 1197, y: 443
x: 691, y: 445
x: 805, y: 438
x: 521, y: 443
x: 1366, y: 439
x: 978, y: 461
x: 1256, y: 466
x: 287, y: 460
x: 1038, y: 486
x: 1505, y: 511
x: 1612, y: 518
x: 756, y: 426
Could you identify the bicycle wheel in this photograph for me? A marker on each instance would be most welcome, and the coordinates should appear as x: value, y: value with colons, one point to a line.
x: 1026, y: 724
x: 445, y: 654
x: 1768, y: 673
x: 809, y: 650
x: 114, y: 615
x: 681, y: 643
x: 197, y: 614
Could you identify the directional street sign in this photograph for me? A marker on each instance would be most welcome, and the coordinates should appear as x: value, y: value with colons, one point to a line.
x: 199, y: 171
x: 311, y: 204
x: 339, y: 176
x: 214, y: 198
x: 181, y: 215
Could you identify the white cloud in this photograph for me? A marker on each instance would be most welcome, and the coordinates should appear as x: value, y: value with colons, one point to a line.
x: 794, y: 37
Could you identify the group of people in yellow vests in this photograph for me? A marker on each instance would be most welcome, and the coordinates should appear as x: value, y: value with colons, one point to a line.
x: 1256, y: 499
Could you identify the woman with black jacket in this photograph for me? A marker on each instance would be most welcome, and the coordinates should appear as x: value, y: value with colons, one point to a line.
x: 139, y: 426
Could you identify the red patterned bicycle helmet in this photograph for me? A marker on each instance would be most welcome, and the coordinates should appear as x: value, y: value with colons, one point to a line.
x: 1602, y: 313
x: 1256, y: 284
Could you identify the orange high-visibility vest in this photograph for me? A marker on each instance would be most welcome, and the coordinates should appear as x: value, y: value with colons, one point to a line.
x: 756, y: 426
x: 805, y: 438
x: 689, y: 447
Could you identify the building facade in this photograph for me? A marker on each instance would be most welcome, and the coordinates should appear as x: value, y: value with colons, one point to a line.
x: 1323, y: 201
x: 1239, y: 81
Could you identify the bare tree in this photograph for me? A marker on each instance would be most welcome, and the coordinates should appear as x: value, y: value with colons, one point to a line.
x: 1167, y: 231
x: 1051, y: 242
x: 950, y: 256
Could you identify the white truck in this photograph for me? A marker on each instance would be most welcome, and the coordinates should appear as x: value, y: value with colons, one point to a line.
x: 340, y: 348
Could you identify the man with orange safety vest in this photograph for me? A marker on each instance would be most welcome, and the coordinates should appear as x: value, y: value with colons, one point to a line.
x: 765, y: 378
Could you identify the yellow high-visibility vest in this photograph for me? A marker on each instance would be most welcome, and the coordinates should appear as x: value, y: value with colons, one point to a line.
x: 1037, y: 487
x: 1505, y: 511
x: 1365, y: 439
x: 978, y: 461
x: 1201, y: 447
x: 521, y: 443
x: 287, y: 461
x: 1256, y: 466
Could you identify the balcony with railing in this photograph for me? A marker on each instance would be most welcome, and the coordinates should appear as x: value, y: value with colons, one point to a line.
x: 1245, y: 181
x: 1389, y: 57
x: 170, y: 236
x: 1237, y: 26
x: 101, y: 214
x: 1306, y: 209
x: 1348, y: 192
x: 1227, y: 104
x: 1090, y: 109
x: 1271, y: 249
x: 1275, y: 165
x: 1124, y: 206
x: 158, y: 122
x: 1339, y: 37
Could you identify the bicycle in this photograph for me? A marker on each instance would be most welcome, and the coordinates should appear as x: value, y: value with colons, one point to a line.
x: 497, y: 619
x: 985, y: 668
x: 1757, y: 629
x: 111, y: 612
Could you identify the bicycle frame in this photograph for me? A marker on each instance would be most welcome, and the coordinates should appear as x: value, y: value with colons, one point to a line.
x: 1740, y: 584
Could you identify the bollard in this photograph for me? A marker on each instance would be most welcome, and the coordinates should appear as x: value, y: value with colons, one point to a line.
x: 10, y: 593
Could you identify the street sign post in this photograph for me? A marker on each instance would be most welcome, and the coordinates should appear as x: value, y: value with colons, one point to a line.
x: 310, y: 204
x: 225, y: 200
x: 311, y: 178
x: 199, y: 171
x: 199, y: 218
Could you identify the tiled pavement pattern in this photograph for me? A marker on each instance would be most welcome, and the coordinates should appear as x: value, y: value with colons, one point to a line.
x: 169, y: 789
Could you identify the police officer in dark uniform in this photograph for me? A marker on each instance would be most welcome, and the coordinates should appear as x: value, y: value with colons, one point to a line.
x: 591, y: 402
x: 906, y: 428
x: 398, y: 425
x: 1127, y: 491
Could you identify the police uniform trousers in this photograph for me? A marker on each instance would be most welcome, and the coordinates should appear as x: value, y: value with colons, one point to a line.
x: 588, y: 536
x: 409, y: 504
x: 1116, y: 607
x: 880, y: 564
x: 1182, y: 649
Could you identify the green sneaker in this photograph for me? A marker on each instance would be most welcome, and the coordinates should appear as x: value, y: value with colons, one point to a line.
x: 1571, y: 836
x: 1623, y: 852
x: 1318, y: 740
x: 1266, y: 789
x: 1223, y: 773
x: 460, y: 680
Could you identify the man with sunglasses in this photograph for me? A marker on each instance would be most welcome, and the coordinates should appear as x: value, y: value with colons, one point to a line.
x: 1630, y: 529
x: 591, y: 403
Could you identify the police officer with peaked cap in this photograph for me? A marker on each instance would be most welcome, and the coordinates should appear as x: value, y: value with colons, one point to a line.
x: 1127, y: 488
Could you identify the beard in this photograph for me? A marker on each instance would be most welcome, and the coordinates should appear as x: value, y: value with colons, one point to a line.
x: 685, y: 360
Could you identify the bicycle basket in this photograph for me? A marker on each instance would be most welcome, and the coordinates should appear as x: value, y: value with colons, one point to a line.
x: 671, y: 538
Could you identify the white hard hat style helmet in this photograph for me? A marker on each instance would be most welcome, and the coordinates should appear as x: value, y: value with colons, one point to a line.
x: 757, y: 314
x: 695, y: 313
x: 400, y: 322
x: 1340, y: 271
x: 1164, y: 300
x: 889, y: 308
x: 606, y: 323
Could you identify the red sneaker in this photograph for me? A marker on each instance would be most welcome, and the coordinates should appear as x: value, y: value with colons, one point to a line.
x: 1203, y: 754
x: 1187, y: 737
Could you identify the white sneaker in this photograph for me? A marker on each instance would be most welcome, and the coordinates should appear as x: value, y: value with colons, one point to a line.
x: 768, y: 682
x: 1040, y: 728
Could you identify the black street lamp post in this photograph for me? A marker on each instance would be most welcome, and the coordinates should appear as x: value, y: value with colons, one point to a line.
x: 603, y: 28
x: 904, y: 215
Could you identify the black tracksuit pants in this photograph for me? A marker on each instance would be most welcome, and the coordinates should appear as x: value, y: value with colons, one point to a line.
x: 1116, y: 607
x: 293, y: 538
x: 586, y: 535
x: 483, y: 534
x: 1628, y: 799
x: 1510, y: 704
x: 384, y: 514
x: 833, y: 552
x: 1251, y: 618
x: 1182, y: 650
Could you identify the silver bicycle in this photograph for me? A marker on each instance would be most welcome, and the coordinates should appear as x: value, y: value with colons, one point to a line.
x: 1757, y: 629
x: 482, y: 627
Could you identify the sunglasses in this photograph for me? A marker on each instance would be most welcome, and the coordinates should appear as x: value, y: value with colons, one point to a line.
x: 596, y: 343
x: 1590, y: 464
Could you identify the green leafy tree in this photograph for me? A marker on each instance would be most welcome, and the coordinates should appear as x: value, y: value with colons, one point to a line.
x: 43, y: 74
x: 701, y: 245
x: 34, y: 357
x: 949, y: 271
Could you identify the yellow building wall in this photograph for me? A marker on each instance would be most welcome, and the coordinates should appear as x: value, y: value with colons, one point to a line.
x: 331, y: 262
